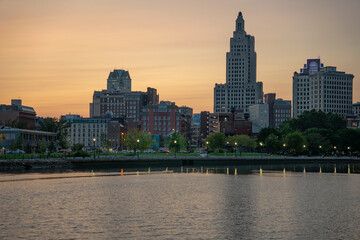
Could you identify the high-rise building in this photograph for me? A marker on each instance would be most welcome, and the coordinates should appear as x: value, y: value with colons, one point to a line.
x: 322, y: 88
x: 119, y: 81
x: 118, y: 100
x: 241, y: 89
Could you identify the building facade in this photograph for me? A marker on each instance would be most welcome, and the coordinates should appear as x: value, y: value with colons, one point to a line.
x: 230, y: 123
x: 165, y: 118
x: 17, y: 115
x: 241, y: 89
x: 32, y: 138
x: 259, y: 116
x: 322, y: 88
x: 118, y: 100
x: 91, y: 132
x: 356, y: 109
x: 281, y: 111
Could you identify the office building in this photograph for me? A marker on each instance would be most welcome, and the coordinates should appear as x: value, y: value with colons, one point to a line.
x: 322, y: 88
x: 241, y: 89
x: 279, y: 109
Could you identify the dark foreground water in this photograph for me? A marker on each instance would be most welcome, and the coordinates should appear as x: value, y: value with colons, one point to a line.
x: 180, y: 206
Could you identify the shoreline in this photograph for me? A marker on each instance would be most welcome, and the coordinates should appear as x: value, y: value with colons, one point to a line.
x: 136, y: 162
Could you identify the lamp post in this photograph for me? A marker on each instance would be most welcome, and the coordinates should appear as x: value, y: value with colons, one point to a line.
x: 261, y: 145
x: 235, y: 148
x: 175, y: 146
x: 284, y: 145
x: 94, y: 140
x: 207, y: 151
x: 137, y: 146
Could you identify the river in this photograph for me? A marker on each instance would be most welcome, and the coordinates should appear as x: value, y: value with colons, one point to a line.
x: 106, y: 205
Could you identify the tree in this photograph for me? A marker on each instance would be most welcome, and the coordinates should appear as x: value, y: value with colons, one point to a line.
x: 58, y: 126
x: 349, y: 140
x: 78, y: 150
x: 42, y: 146
x: 242, y: 141
x: 215, y: 141
x: 177, y: 142
x: 138, y: 140
x: 19, y: 143
x: 105, y: 143
x: 28, y: 148
x: 295, y: 142
x: 265, y: 132
x: 318, y: 140
x: 272, y: 143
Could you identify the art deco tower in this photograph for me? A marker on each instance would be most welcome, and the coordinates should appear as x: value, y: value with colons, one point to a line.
x: 241, y: 89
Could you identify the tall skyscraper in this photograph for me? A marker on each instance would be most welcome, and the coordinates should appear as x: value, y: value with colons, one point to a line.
x: 241, y: 89
x: 322, y: 88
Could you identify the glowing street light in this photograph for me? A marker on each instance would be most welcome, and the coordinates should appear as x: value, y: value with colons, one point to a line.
x: 94, y: 140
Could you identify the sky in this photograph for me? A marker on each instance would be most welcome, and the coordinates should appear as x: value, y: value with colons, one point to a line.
x: 54, y: 54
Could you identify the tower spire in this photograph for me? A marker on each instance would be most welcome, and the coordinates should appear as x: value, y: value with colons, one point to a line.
x: 240, y: 23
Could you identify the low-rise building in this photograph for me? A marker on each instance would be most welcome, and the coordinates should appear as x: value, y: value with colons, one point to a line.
x: 30, y: 138
x: 91, y: 132
x: 17, y: 115
x: 165, y: 118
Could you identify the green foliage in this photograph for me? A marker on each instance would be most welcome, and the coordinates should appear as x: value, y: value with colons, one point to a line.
x: 42, y: 146
x: 105, y: 143
x: 138, y: 140
x: 58, y: 126
x: 77, y: 147
x: 28, y: 148
x: 215, y: 141
x: 242, y: 141
x: 177, y: 142
x: 313, y: 119
x: 295, y: 142
x: 272, y: 143
x: 52, y: 147
x: 348, y: 138
x: 19, y: 143
x: 78, y: 150
x: 265, y: 132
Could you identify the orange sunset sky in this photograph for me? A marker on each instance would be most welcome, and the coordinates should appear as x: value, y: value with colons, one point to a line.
x: 54, y: 54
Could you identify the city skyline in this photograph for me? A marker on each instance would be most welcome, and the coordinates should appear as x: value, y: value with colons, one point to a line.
x: 55, y: 54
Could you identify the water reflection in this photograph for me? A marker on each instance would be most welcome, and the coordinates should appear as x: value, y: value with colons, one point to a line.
x: 187, y: 205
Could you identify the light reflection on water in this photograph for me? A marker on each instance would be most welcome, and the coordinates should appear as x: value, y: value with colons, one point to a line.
x: 181, y: 206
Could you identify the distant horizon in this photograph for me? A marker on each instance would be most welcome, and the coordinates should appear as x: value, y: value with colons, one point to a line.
x: 55, y: 54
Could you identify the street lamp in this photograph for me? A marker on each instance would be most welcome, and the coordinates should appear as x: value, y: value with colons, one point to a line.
x: 207, y: 151
x: 235, y: 148
x: 175, y: 146
x: 137, y: 146
x: 94, y: 140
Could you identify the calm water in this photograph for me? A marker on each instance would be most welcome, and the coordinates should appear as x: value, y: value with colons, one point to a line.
x: 180, y: 206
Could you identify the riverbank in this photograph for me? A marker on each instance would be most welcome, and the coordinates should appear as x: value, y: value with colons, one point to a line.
x: 108, y: 162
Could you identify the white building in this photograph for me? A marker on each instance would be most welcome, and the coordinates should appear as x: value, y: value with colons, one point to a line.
x: 241, y: 89
x: 85, y: 130
x: 259, y: 116
x: 322, y: 88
